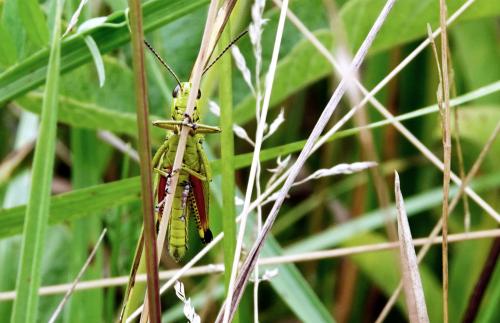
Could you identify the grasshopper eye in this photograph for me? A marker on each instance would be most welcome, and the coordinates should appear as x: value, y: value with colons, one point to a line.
x: 199, y: 94
x: 175, y: 92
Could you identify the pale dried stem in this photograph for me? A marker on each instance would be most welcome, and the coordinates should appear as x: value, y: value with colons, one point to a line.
x: 277, y: 260
x: 437, y: 228
x: 446, y: 127
x: 361, y: 118
x: 72, y: 287
x: 415, y: 301
x: 116, y: 142
x: 369, y: 96
x: 256, y: 155
x: 250, y: 261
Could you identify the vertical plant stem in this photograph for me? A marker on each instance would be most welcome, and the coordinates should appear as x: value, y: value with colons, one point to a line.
x: 227, y: 155
x: 145, y: 160
x: 37, y: 211
x: 445, y: 86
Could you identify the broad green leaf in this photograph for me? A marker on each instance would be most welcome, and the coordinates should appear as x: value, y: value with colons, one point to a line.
x: 30, y: 73
x: 34, y: 21
x: 476, y: 47
x: 476, y: 125
x: 8, y: 50
x: 13, y: 26
x: 488, y: 313
x: 83, y: 104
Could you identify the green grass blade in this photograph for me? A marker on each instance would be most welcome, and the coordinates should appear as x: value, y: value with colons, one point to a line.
x: 31, y: 72
x: 62, y: 207
x: 7, y: 48
x: 227, y: 155
x: 37, y: 212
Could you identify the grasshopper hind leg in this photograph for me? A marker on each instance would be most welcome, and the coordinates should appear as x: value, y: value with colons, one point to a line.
x: 178, y: 225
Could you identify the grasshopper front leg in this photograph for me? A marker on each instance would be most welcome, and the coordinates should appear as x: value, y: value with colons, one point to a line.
x: 174, y: 125
x: 160, y: 152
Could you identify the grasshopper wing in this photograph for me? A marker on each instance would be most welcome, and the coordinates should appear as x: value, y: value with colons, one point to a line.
x: 198, y: 203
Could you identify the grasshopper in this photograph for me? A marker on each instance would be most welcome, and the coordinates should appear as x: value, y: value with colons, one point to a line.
x: 192, y: 193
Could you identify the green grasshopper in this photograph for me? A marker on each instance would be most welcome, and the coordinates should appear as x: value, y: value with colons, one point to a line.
x: 192, y: 193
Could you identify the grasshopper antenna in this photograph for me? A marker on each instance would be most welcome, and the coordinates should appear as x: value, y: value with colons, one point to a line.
x: 163, y: 62
x: 225, y: 50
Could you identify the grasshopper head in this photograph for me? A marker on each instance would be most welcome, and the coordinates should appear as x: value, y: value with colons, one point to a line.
x: 179, y: 104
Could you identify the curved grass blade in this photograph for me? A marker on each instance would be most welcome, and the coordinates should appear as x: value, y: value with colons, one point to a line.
x: 415, y: 301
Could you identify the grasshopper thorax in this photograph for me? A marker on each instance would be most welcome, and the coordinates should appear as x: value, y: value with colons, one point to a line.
x: 180, y: 97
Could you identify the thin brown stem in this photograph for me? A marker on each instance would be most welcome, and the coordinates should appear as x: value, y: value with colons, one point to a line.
x: 482, y: 282
x: 137, y: 39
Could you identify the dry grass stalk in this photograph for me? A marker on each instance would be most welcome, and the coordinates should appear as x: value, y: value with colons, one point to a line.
x: 437, y: 228
x: 250, y: 261
x: 361, y: 118
x: 77, y: 279
x: 446, y: 127
x: 118, y: 143
x: 415, y: 301
x: 295, y: 258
